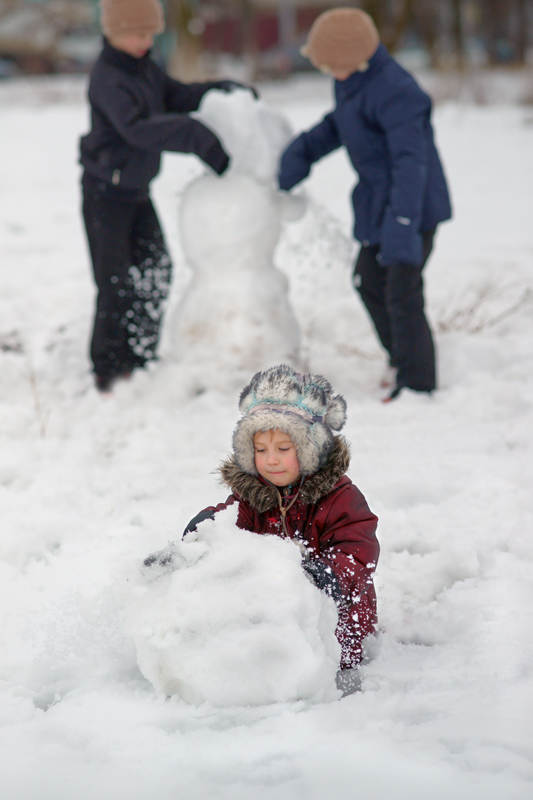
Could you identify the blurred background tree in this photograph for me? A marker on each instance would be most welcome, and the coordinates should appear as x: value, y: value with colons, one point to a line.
x: 255, y: 39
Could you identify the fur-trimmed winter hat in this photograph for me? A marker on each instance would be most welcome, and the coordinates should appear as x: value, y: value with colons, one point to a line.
x: 341, y: 39
x: 119, y: 17
x: 302, y: 406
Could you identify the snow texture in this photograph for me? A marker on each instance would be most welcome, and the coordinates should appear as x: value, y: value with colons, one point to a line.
x: 89, y: 485
x: 235, y: 316
x: 237, y: 623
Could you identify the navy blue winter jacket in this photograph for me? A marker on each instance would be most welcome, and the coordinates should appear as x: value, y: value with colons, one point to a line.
x: 382, y: 117
x: 137, y: 111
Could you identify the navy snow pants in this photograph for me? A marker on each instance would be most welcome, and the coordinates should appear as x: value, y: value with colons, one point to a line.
x: 394, y: 299
x: 132, y: 271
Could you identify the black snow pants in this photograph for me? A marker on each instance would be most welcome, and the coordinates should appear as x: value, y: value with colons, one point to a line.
x: 394, y: 299
x: 132, y: 271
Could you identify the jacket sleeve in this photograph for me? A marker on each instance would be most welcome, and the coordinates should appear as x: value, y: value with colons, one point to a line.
x: 307, y: 148
x: 348, y: 542
x: 171, y: 131
x: 185, y: 97
x: 404, y: 118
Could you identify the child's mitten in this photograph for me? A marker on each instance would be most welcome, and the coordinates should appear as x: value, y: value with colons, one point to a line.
x: 230, y: 86
x: 157, y: 564
x: 323, y: 577
x: 295, y: 164
x: 207, y: 513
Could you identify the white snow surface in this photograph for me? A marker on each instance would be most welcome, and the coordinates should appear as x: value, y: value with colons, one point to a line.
x: 89, y: 485
x: 237, y: 623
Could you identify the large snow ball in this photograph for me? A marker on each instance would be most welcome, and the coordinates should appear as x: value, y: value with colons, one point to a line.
x: 253, y: 134
x: 232, y: 224
x: 238, y: 623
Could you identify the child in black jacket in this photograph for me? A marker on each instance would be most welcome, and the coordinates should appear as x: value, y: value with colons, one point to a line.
x: 137, y: 111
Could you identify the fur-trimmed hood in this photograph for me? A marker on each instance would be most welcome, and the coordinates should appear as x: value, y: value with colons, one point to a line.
x: 262, y: 496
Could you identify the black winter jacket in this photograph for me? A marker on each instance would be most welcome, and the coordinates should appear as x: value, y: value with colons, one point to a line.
x: 137, y: 111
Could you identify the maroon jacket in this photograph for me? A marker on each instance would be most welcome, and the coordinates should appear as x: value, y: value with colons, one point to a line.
x: 332, y: 518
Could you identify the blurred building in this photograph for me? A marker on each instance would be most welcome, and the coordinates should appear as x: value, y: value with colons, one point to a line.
x: 44, y: 37
x: 262, y: 37
x: 258, y: 39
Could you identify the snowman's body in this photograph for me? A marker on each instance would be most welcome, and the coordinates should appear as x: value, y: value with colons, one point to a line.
x: 235, y: 317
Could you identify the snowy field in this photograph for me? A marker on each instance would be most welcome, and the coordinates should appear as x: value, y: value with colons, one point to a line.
x: 90, y: 484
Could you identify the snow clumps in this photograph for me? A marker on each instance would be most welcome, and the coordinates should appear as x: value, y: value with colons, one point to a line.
x: 237, y: 623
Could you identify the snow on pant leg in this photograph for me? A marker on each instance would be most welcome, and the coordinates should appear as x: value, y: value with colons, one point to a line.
x: 149, y: 282
x: 370, y: 280
x: 356, y: 621
x: 413, y: 351
x: 109, y: 223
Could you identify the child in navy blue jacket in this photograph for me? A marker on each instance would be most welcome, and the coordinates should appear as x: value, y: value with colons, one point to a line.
x: 382, y: 118
x: 137, y: 112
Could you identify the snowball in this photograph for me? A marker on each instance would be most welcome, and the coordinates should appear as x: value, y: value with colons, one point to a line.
x: 253, y: 134
x: 238, y: 623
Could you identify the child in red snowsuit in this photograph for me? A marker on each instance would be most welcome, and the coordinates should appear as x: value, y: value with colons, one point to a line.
x: 288, y: 476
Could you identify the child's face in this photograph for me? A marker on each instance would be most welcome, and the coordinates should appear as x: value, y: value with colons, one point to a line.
x: 134, y: 44
x: 275, y: 458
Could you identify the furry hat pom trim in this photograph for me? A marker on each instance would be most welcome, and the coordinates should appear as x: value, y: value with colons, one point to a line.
x: 302, y: 406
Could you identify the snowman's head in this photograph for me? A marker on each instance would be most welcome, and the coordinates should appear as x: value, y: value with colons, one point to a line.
x: 253, y: 134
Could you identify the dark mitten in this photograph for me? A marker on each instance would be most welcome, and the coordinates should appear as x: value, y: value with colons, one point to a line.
x: 295, y: 165
x: 216, y: 158
x: 323, y: 577
x: 207, y: 513
x: 230, y: 86
x: 157, y: 564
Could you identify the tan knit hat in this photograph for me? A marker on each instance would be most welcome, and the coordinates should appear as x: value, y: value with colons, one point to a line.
x: 120, y: 17
x: 341, y: 40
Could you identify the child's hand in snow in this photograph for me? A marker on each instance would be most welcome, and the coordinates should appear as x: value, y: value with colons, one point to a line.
x: 157, y: 564
x: 323, y: 577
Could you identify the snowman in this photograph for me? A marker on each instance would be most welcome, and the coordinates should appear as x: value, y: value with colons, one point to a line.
x: 235, y: 318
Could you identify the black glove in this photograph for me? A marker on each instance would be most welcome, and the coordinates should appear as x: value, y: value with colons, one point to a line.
x: 216, y: 158
x: 207, y: 513
x: 230, y: 86
x: 323, y: 577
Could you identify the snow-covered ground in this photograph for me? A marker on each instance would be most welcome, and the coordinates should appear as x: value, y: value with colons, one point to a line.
x: 90, y: 484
